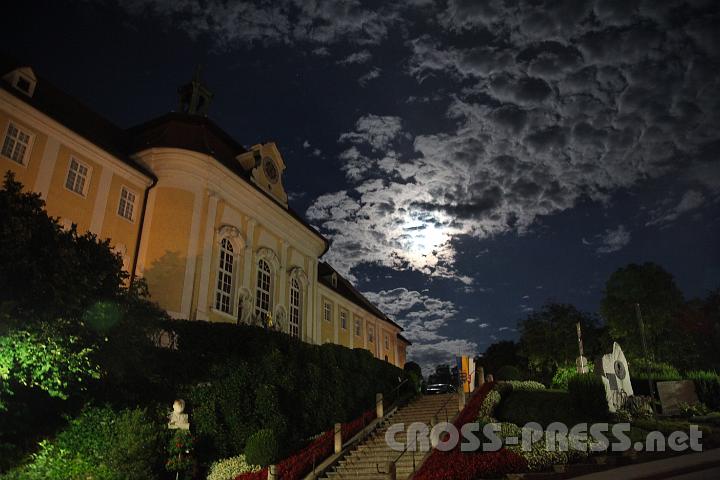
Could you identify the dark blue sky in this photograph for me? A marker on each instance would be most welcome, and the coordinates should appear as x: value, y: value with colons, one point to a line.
x: 470, y: 160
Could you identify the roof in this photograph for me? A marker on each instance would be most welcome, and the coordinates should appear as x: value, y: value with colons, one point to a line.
x: 173, y: 130
x: 72, y: 114
x: 403, y: 339
x: 347, y: 290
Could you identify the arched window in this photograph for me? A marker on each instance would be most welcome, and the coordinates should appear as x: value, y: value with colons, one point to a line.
x: 223, y: 293
x: 263, y: 297
x: 295, y: 308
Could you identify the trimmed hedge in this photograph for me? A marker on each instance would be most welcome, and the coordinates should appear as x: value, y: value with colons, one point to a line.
x: 262, y: 448
x: 240, y: 379
x: 587, y: 394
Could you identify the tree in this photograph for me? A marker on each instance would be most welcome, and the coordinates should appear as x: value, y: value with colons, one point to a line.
x: 504, y: 352
x: 698, y: 324
x: 50, y: 273
x: 548, y: 337
x: 414, y: 374
x: 660, y: 300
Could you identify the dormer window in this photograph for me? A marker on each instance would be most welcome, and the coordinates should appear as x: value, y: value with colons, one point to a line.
x: 22, y: 79
x: 333, y: 280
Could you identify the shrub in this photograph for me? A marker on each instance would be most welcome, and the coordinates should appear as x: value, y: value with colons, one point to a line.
x: 100, y: 443
x: 587, y: 394
x: 525, y: 385
x: 230, y: 468
x: 487, y: 408
x: 262, y: 448
x: 542, y: 406
x: 707, y: 386
x: 508, y: 372
x: 563, y: 374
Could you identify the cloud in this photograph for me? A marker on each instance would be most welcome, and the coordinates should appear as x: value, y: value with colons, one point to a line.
x: 691, y: 200
x: 425, y: 319
x: 229, y: 25
x: 371, y: 75
x: 362, y: 56
x: 562, y: 101
x: 610, y: 241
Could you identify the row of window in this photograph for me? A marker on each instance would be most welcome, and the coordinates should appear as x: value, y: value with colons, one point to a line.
x: 328, y: 315
x: 16, y: 146
x: 263, y: 289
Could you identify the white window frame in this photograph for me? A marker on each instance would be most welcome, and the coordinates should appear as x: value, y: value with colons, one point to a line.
x: 225, y: 280
x: 296, y: 306
x: 343, y: 319
x: 88, y: 177
x: 263, y: 297
x: 358, y: 327
x: 28, y: 146
x: 371, y: 333
x: 327, y: 311
x: 387, y: 342
x: 132, y: 192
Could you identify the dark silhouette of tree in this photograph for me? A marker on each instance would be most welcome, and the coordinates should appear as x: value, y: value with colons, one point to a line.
x: 660, y: 300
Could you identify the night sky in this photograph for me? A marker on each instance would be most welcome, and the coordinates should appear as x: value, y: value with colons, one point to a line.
x: 469, y: 160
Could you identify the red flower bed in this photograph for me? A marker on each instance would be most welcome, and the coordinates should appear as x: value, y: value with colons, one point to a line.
x: 299, y: 464
x: 457, y: 465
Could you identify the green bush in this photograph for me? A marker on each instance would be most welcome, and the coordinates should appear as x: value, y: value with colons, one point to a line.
x: 563, y: 374
x: 587, y: 394
x: 707, y: 386
x: 230, y: 468
x: 240, y: 379
x: 508, y: 372
x: 541, y: 406
x: 262, y: 448
x: 516, y: 385
x: 101, y: 444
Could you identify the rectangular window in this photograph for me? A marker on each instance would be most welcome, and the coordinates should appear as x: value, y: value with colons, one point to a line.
x: 371, y: 333
x: 387, y: 342
x: 16, y: 145
x: 358, y: 327
x: 78, y: 177
x: 126, y: 207
x: 327, y: 311
x: 343, y: 319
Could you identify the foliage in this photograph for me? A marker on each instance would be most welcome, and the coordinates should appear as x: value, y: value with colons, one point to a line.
x: 180, y: 450
x: 660, y: 300
x: 564, y: 373
x: 230, y: 468
x: 548, y: 337
x: 636, y: 407
x: 699, y: 322
x: 56, y: 273
x: 52, y: 363
x: 693, y: 410
x: 262, y: 447
x: 487, y: 408
x: 541, y: 406
x: 587, y: 394
x: 707, y: 387
x: 101, y: 443
x: 504, y: 352
x: 239, y: 379
x: 528, y: 385
x: 508, y: 372
x: 414, y: 374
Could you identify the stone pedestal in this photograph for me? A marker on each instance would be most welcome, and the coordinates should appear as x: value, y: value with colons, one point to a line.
x: 338, y: 437
x: 461, y: 400
x: 379, y: 405
x: 480, y: 374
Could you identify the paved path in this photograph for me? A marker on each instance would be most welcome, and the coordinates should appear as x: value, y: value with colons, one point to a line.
x: 693, y: 466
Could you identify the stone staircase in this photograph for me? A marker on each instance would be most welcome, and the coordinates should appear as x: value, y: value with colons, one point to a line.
x: 369, y: 459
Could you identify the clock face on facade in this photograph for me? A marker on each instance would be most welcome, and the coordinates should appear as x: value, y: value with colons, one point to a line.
x: 270, y: 169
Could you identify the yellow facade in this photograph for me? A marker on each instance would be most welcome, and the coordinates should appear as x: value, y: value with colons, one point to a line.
x: 215, y: 240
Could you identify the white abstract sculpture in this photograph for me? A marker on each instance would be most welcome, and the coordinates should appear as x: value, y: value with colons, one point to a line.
x: 616, y: 378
